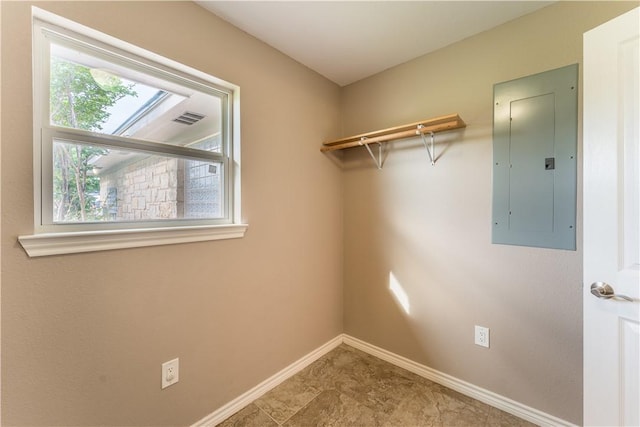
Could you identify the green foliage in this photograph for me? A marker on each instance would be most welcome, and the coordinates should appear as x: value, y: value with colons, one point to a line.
x: 78, y: 102
x: 74, y: 184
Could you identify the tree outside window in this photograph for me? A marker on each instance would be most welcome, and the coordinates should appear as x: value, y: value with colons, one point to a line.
x: 77, y: 101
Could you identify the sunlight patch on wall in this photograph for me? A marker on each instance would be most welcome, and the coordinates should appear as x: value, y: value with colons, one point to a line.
x: 398, y: 292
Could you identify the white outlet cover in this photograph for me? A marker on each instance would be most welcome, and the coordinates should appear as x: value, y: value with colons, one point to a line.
x: 482, y: 336
x: 170, y: 372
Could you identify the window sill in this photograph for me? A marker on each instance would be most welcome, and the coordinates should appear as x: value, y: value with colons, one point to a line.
x: 90, y: 241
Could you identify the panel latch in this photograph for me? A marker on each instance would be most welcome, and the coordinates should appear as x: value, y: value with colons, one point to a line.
x: 549, y: 163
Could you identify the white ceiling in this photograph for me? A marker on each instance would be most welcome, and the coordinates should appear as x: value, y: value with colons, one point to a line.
x: 346, y: 41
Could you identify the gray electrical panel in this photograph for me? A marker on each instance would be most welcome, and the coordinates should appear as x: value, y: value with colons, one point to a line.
x: 535, y: 121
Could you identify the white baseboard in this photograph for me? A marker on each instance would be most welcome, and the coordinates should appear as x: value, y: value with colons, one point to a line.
x: 497, y: 401
x: 505, y: 404
x: 240, y: 402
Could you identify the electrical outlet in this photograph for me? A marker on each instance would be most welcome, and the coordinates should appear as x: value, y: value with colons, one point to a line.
x: 482, y: 336
x: 170, y: 372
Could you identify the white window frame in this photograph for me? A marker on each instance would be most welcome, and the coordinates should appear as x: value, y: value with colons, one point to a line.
x: 50, y: 238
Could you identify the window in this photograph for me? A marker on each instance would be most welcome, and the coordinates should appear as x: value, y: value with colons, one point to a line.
x: 128, y: 143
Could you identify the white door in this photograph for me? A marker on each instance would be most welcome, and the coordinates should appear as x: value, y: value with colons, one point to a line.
x: 612, y: 223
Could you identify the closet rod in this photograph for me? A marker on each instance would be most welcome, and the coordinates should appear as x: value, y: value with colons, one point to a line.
x: 436, y: 125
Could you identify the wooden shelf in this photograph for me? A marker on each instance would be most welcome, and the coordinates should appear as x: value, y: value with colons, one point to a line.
x: 435, y: 125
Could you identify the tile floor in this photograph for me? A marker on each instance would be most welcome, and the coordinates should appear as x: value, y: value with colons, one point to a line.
x: 347, y: 387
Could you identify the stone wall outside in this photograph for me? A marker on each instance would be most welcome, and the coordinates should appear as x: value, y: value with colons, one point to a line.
x: 149, y: 189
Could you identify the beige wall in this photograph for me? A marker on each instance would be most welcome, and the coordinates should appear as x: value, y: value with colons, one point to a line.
x: 431, y: 226
x: 83, y: 336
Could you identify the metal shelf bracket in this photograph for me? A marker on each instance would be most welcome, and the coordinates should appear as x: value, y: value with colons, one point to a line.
x: 430, y: 147
x: 378, y: 160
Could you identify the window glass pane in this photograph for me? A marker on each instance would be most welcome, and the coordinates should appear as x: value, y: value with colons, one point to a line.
x: 91, y: 93
x: 202, y: 189
x: 98, y: 184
